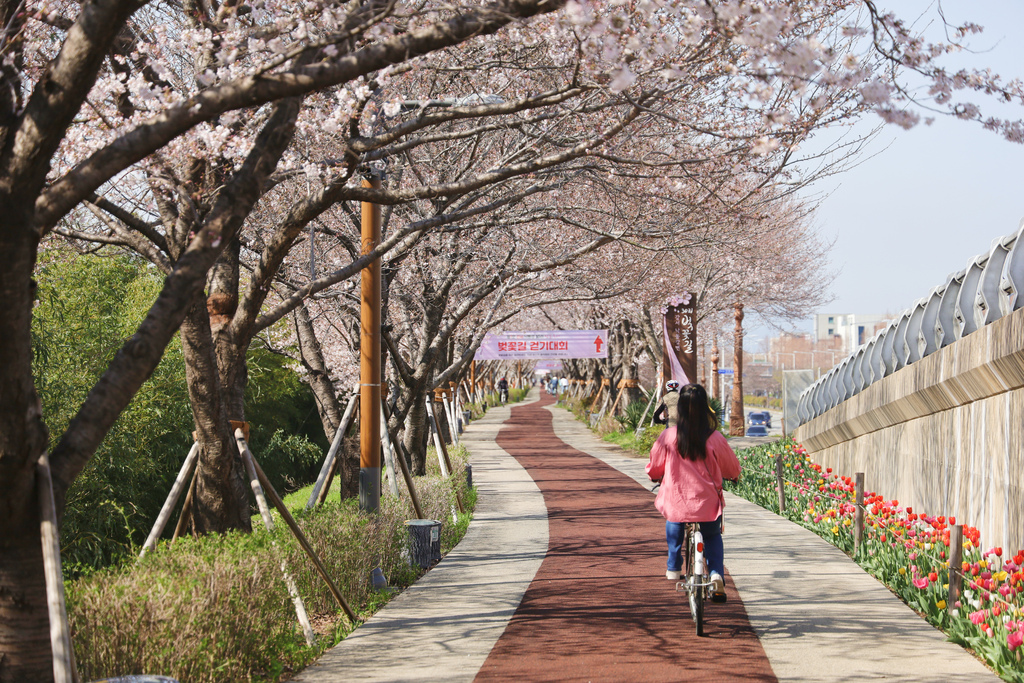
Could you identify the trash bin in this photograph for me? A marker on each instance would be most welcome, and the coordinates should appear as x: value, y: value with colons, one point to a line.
x: 424, y: 541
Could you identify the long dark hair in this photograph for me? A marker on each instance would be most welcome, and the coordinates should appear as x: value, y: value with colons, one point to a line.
x: 696, y: 422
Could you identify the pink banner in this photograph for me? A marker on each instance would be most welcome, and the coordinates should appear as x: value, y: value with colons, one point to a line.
x: 544, y: 345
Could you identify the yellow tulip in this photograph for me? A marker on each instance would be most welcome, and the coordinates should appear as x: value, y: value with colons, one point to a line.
x: 941, y: 604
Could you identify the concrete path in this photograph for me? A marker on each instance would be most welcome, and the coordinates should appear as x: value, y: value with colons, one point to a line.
x: 443, y: 627
x: 817, y: 615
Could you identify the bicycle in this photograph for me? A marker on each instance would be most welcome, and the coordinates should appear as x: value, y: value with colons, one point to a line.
x: 697, y: 583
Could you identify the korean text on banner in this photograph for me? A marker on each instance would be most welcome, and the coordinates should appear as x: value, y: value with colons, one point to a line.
x: 544, y: 345
x: 681, y: 337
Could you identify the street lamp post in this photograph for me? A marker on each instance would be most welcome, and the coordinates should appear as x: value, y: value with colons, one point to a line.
x: 370, y: 323
x: 369, y: 356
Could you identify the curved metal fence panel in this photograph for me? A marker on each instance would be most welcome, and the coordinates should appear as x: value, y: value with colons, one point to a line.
x: 990, y: 287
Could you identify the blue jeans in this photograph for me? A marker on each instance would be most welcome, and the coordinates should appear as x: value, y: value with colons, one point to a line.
x: 714, y: 551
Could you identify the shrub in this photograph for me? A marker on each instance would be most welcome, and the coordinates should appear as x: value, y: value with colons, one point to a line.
x: 87, y: 307
x: 631, y: 416
x: 215, y: 609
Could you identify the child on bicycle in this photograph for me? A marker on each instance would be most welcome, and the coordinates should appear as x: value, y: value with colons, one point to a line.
x: 666, y: 412
x: 691, y: 460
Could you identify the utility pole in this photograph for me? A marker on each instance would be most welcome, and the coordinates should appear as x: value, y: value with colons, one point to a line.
x: 369, y: 356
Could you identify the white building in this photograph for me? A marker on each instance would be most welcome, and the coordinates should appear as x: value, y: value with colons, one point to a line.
x: 853, y: 329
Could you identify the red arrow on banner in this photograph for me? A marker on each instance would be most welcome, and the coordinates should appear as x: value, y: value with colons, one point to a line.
x: 597, y: 344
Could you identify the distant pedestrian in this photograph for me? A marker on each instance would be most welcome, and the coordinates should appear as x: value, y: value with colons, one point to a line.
x: 563, y: 385
x: 691, y: 460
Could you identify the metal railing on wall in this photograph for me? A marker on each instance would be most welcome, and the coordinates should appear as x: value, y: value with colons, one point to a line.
x: 990, y: 287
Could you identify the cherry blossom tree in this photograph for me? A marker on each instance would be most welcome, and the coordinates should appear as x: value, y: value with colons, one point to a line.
x: 178, y: 130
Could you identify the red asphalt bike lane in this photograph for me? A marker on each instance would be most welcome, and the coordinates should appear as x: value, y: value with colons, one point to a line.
x: 600, y: 607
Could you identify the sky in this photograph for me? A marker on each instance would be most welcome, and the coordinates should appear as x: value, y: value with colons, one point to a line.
x: 921, y: 203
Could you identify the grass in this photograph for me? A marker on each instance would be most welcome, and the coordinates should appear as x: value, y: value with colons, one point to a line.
x: 215, y: 609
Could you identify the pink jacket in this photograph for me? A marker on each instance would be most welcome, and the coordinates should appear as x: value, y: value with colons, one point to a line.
x: 690, y: 488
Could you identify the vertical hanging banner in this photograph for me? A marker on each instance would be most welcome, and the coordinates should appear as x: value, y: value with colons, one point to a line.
x: 544, y: 345
x: 681, y: 338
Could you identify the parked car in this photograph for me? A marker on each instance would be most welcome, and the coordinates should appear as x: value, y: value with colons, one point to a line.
x: 762, y: 417
x: 757, y: 430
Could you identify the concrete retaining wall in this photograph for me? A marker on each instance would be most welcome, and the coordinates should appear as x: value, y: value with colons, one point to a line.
x: 944, y: 434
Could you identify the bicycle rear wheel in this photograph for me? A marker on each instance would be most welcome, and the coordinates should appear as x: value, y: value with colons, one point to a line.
x: 694, y: 584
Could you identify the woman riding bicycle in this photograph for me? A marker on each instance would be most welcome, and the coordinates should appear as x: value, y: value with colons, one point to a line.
x: 691, y: 460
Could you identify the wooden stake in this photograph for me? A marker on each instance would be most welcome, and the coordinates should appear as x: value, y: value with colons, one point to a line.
x: 186, y: 509
x: 438, y: 441
x: 64, y: 670
x: 268, y: 489
x: 403, y: 464
x: 858, y: 515
x: 322, y: 498
x: 332, y: 454
x: 443, y: 459
x: 453, y: 425
x: 780, y: 482
x: 640, y: 424
x: 389, y: 456
x: 956, y: 558
x: 172, y: 499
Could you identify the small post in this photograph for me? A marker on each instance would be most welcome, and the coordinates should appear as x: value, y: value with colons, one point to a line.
x: 858, y: 515
x: 956, y: 558
x: 64, y: 670
x: 780, y: 482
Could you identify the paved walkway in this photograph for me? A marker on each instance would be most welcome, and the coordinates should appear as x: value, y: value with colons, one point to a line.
x: 542, y: 589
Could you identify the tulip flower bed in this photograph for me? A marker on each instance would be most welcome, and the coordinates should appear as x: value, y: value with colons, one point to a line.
x: 906, y: 550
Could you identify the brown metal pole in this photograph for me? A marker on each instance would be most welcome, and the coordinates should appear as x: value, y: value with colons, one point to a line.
x: 369, y: 358
x: 716, y: 389
x: 858, y: 515
x: 737, y: 421
x: 472, y: 380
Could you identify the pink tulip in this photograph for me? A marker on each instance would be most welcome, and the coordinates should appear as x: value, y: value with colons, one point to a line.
x: 921, y: 583
x: 1014, y: 640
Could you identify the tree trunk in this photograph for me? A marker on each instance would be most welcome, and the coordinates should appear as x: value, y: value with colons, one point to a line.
x: 24, y: 626
x: 221, y: 501
x: 737, y: 421
x: 312, y: 356
x: 416, y: 432
x: 629, y: 366
x: 25, y: 653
